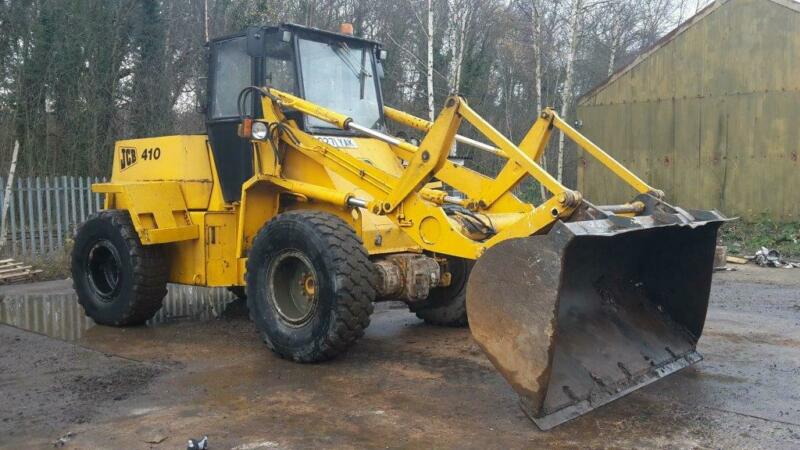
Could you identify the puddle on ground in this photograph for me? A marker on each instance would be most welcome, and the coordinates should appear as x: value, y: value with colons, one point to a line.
x: 60, y: 316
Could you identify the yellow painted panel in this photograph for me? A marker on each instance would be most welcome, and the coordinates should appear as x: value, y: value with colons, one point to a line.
x: 187, y: 259
x: 220, y: 242
x: 167, y: 158
x: 157, y: 209
x: 183, y: 233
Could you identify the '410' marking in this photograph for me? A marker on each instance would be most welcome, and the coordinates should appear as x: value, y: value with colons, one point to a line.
x: 151, y: 153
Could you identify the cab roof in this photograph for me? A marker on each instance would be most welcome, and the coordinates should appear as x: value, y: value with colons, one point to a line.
x: 302, y: 29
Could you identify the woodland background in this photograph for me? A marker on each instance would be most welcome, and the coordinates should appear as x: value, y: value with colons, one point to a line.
x: 76, y: 75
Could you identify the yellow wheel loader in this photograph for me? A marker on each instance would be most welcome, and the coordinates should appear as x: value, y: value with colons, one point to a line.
x: 300, y: 199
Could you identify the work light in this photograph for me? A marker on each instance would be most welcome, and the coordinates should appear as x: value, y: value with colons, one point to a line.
x: 259, y: 131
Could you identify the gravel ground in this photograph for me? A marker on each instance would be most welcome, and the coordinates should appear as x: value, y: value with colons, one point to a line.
x: 405, y: 385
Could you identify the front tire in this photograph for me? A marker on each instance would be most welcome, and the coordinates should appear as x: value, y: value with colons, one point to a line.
x: 118, y: 280
x: 310, y: 285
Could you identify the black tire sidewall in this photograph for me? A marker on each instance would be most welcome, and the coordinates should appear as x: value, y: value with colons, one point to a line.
x: 307, y: 338
x: 102, y: 311
x: 439, y: 297
x: 446, y: 306
x: 459, y: 269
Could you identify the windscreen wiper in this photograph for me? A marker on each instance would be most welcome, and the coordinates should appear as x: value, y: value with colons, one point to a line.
x: 363, y: 74
x: 339, y: 50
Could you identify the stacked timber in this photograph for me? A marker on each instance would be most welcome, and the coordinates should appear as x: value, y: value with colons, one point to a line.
x: 14, y: 271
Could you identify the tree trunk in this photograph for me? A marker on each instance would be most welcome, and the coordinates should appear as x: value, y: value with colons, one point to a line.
x: 205, y: 21
x: 459, y: 62
x: 566, y: 95
x: 431, y: 111
x: 7, y: 194
x: 615, y: 38
x: 461, y: 39
x: 537, y: 54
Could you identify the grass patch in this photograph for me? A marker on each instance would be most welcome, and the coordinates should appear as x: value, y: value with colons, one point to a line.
x: 744, y: 238
x: 54, y: 265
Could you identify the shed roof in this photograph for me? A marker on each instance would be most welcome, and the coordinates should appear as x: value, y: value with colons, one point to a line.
x: 688, y: 23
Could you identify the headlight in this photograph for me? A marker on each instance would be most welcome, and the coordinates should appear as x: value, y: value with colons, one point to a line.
x: 259, y: 131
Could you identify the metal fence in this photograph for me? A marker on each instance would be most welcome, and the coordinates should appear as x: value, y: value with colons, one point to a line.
x: 59, y: 314
x: 43, y: 212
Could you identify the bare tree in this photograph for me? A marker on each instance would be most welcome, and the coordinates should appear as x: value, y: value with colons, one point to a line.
x: 205, y: 20
x: 77, y: 75
x: 429, y: 74
x: 537, y: 72
x: 461, y: 12
x: 566, y: 93
x: 615, y: 22
x: 7, y: 194
x: 614, y: 47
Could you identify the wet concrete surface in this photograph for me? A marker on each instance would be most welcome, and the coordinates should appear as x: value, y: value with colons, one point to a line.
x: 201, y: 370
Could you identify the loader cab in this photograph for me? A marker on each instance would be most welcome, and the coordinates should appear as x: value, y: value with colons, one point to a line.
x: 337, y: 71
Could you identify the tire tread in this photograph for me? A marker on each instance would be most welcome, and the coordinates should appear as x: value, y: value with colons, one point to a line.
x: 354, y: 273
x: 150, y: 271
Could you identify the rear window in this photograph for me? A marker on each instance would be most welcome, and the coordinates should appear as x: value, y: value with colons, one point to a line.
x: 232, y: 73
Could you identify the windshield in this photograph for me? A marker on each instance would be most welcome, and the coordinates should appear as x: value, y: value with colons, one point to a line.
x: 339, y: 77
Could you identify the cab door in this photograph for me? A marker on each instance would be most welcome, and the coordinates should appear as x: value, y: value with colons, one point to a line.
x: 231, y: 69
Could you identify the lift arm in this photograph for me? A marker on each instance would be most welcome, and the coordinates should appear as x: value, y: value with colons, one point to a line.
x: 405, y: 199
x: 535, y: 142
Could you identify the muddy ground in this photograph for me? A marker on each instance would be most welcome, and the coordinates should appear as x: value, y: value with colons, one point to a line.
x: 201, y: 370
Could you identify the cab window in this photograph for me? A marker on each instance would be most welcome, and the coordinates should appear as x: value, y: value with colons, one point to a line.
x: 279, y: 64
x: 232, y: 73
x: 339, y: 76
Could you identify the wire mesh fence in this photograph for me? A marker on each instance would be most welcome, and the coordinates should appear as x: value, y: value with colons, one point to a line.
x: 43, y: 212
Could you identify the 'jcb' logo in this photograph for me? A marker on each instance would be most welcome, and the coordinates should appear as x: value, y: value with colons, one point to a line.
x: 127, y: 157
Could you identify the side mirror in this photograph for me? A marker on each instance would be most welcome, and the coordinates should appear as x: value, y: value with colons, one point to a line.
x: 381, y: 57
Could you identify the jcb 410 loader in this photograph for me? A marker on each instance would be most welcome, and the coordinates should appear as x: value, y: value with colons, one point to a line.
x: 299, y: 199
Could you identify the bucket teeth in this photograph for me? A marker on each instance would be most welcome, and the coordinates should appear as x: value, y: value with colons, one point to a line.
x: 590, y: 312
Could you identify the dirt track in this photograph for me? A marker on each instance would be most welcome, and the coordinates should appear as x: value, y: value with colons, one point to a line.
x: 406, y: 385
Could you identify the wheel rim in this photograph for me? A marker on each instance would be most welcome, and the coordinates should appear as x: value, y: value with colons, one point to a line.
x: 293, y: 285
x: 103, y: 269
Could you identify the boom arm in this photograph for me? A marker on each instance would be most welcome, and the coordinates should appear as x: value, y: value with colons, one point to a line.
x: 408, y: 203
x: 537, y: 138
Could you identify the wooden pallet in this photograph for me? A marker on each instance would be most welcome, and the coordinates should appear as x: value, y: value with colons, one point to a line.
x: 14, y: 271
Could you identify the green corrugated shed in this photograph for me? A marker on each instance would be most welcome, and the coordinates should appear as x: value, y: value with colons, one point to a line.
x: 710, y: 114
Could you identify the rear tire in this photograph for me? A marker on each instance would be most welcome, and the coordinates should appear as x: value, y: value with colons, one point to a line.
x: 447, y: 306
x: 310, y: 285
x: 118, y: 280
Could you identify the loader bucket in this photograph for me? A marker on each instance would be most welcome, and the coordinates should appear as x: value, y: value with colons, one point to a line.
x: 593, y: 310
